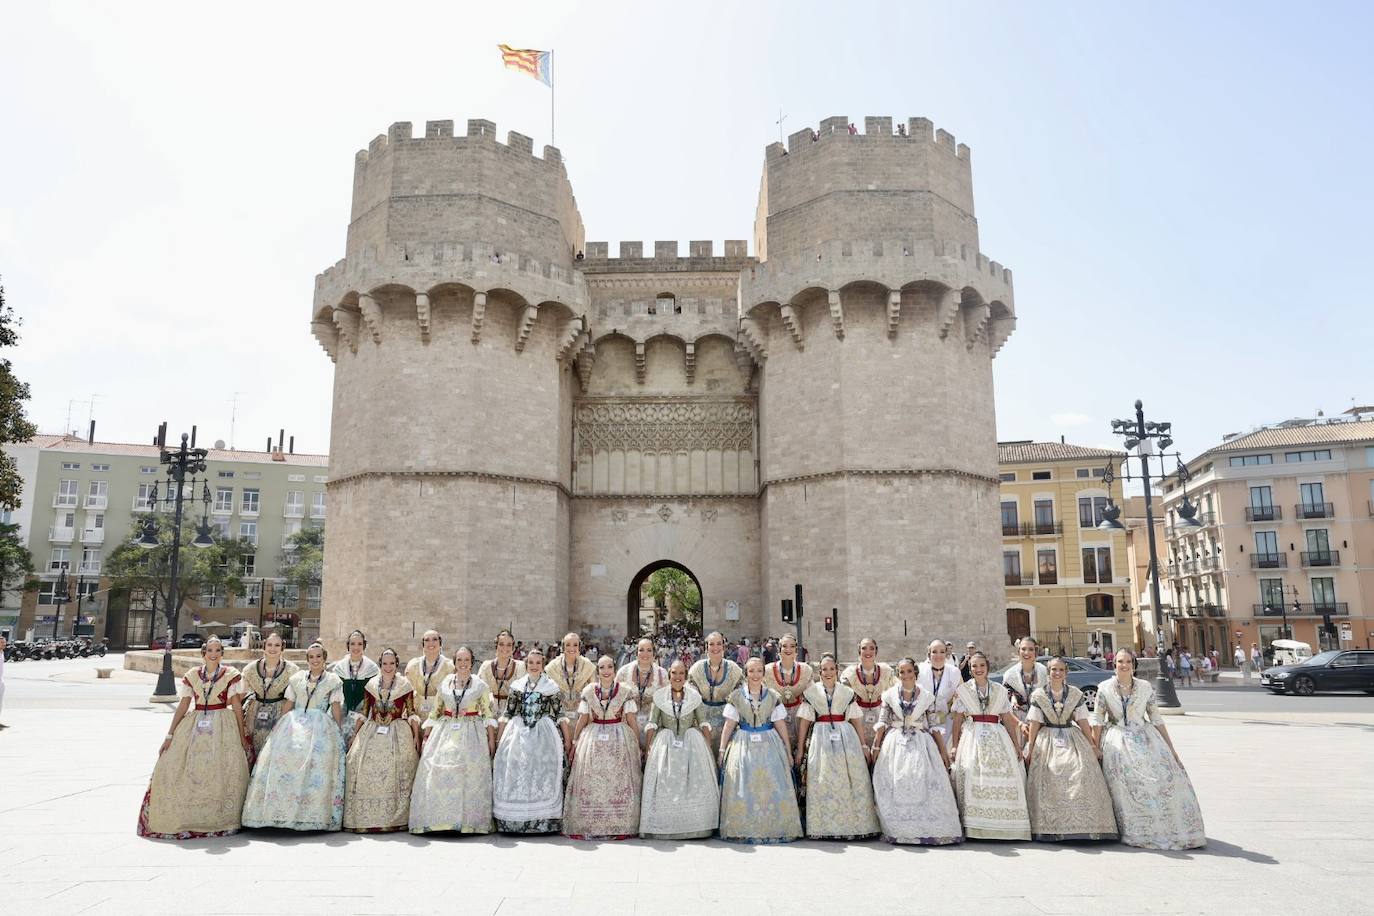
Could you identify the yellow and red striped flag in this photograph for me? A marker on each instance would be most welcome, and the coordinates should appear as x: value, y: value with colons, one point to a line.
x: 538, y: 64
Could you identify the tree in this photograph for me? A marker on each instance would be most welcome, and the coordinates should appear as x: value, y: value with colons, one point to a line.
x: 16, y: 563
x: 147, y: 570
x: 302, y: 559
x: 14, y: 425
x: 671, y: 587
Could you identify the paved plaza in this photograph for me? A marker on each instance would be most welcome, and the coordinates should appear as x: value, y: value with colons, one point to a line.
x: 1285, y: 786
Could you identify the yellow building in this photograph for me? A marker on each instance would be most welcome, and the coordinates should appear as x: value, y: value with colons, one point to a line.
x: 1067, y: 583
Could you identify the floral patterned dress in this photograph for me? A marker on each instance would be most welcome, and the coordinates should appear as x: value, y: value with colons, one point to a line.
x: 790, y: 685
x: 681, y: 798
x: 758, y: 803
x: 298, y: 783
x: 198, y: 782
x: 380, y: 766
x: 868, y: 687
x: 715, y: 693
x: 527, y: 772
x: 1065, y: 789
x: 643, y: 686
x: 453, y: 783
x: 839, y: 793
x: 911, y: 788
x: 1152, y: 796
x: 603, y: 787
x: 989, y: 780
x: 264, y: 690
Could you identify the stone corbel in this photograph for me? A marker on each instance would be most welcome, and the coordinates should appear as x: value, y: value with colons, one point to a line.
x: 527, y: 319
x: 837, y: 313
x: 569, y: 333
x: 755, y: 338
x: 328, y: 336
x: 479, y: 311
x: 976, y: 323
x: 347, y: 323
x: 894, y: 311
x: 372, y: 315
x: 691, y: 361
x: 639, y: 362
x: 422, y: 314
x: 586, y: 359
x: 789, y: 321
x: 948, y: 310
x: 999, y: 332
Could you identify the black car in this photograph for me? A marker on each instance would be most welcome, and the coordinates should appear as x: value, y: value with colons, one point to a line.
x: 1339, y: 670
x: 1083, y: 674
x: 190, y: 641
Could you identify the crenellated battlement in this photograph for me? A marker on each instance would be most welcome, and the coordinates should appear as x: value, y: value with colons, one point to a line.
x: 666, y: 256
x: 478, y: 131
x: 875, y: 129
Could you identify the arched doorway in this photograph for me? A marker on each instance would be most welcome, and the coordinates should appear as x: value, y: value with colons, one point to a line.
x: 652, y: 601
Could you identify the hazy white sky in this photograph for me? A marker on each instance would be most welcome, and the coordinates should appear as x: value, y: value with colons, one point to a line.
x: 1183, y: 193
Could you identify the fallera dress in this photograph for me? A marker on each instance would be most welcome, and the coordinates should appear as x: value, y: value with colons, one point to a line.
x: 426, y: 678
x: 868, y: 687
x: 380, y: 766
x: 758, y: 803
x: 571, y: 678
x: 298, y: 783
x: 839, y: 793
x: 715, y: 692
x: 681, y: 796
x: 941, y: 684
x: 264, y: 689
x: 354, y: 676
x: 527, y: 772
x: 989, y: 780
x: 1022, y: 686
x: 498, y: 679
x: 911, y: 787
x: 643, y: 685
x: 790, y: 684
x: 1065, y: 790
x: 603, y: 786
x: 452, y: 789
x: 198, y: 782
x: 1152, y: 796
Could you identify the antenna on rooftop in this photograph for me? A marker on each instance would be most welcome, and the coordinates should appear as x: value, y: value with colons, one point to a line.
x: 781, y: 117
x: 233, y: 418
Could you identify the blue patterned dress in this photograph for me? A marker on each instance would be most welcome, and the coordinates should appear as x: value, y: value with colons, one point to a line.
x: 298, y: 783
x: 758, y: 803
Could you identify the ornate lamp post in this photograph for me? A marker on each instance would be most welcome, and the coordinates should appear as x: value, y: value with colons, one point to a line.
x: 182, y: 467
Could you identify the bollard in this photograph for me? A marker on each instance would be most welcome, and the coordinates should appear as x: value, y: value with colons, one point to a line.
x: 1166, y: 697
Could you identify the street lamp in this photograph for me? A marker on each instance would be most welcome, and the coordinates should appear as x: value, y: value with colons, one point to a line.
x: 182, y: 466
x: 59, y: 598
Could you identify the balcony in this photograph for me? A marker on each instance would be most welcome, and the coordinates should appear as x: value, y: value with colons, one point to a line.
x: 1207, y: 519
x: 1010, y: 530
x: 250, y: 510
x: 1018, y: 579
x: 141, y: 504
x: 1214, y: 610
x: 1188, y: 568
x: 64, y: 501
x: 1268, y: 561
x: 1314, y: 510
x: 1037, y: 529
x: 89, y: 567
x: 1264, y: 513
x: 61, y: 535
x: 97, y: 502
x: 1334, y: 608
x: 1051, y: 578
x: 1208, y: 564
x: 317, y: 511
x: 1321, y: 558
x: 93, y: 536
x: 293, y: 510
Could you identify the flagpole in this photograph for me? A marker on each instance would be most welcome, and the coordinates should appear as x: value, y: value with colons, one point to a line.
x: 553, y: 133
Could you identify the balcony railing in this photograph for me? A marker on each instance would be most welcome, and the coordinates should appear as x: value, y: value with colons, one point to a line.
x: 1010, y: 530
x: 1049, y: 578
x: 1207, y: 519
x: 93, y: 536
x: 1263, y: 513
x: 1268, y: 561
x: 64, y: 500
x: 1214, y: 610
x: 1188, y: 567
x: 61, y: 535
x: 97, y: 502
x: 1334, y: 608
x: 317, y: 511
x: 89, y: 568
x: 1314, y: 510
x: 1032, y: 529
x: 1321, y: 558
x: 141, y: 504
x: 293, y: 510
x: 248, y: 509
x: 1207, y: 564
x: 1018, y: 579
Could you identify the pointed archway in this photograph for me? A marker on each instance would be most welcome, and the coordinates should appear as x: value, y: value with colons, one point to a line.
x: 634, y: 596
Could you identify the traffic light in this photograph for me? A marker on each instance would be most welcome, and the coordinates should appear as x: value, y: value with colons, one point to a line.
x: 829, y: 624
x: 787, y: 611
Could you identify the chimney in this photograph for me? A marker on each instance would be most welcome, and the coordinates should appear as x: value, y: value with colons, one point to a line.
x: 269, y: 444
x: 292, y: 447
x: 193, y: 435
x: 1061, y: 439
x: 281, y: 437
x: 90, y: 437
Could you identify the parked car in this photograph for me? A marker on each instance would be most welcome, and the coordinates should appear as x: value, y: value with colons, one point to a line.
x: 1083, y: 674
x: 190, y: 641
x: 1337, y: 670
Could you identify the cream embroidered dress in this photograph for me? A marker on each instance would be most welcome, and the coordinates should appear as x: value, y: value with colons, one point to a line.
x: 715, y: 693
x: 643, y: 685
x: 911, y: 788
x: 426, y: 678
x: 941, y: 685
x: 527, y: 772
x: 1022, y: 686
x: 839, y: 793
x: 264, y: 690
x: 681, y: 796
x: 198, y: 782
x: 571, y: 680
x: 298, y: 783
x: 790, y: 684
x: 498, y: 680
x: 868, y: 687
x: 603, y: 785
x: 380, y: 767
x: 452, y: 790
x: 989, y: 780
x: 1065, y: 790
x: 1152, y: 796
x: 758, y: 803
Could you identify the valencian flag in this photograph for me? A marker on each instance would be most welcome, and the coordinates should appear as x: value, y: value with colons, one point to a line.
x: 538, y: 64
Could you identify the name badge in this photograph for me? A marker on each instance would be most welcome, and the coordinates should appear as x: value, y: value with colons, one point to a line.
x: 603, y: 736
x: 677, y: 743
x: 1061, y: 739
x: 263, y: 715
x: 870, y: 718
x: 755, y: 737
x: 383, y: 729
x: 427, y: 706
x: 204, y: 724
x: 455, y: 725
x: 834, y: 735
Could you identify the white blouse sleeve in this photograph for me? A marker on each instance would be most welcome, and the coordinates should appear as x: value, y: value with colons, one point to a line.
x: 184, y: 689
x: 956, y: 703
x: 336, y: 695
x: 237, y: 690
x: 855, y: 711
x: 731, y: 712
x: 779, y: 713
x: 806, y: 711
x: 1080, y: 713
x: 630, y: 708
x: 1035, y: 715
x: 583, y: 709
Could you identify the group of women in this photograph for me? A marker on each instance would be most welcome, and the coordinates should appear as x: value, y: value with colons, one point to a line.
x: 759, y: 754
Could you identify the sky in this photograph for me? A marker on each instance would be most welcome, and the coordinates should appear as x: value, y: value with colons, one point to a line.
x: 1182, y: 190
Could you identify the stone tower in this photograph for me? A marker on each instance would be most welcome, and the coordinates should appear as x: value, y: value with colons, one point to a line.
x: 525, y: 426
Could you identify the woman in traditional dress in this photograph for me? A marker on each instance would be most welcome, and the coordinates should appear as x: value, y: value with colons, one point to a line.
x: 427, y: 671
x: 265, y: 683
x: 790, y: 677
x: 940, y: 678
x: 911, y: 786
x: 645, y: 679
x: 758, y: 802
x: 1152, y: 796
x: 202, y: 767
x: 382, y: 754
x: 603, y: 786
x: 715, y: 677
x: 500, y: 672
x: 355, y: 669
x: 868, y: 679
x: 298, y: 783
x: 989, y: 781
x: 453, y: 782
x: 839, y: 793
x: 681, y: 798
x: 1066, y: 792
x: 527, y: 772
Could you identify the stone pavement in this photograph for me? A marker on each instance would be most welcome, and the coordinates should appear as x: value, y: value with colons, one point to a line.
x: 1287, y: 797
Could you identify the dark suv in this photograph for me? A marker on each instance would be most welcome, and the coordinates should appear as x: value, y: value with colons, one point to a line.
x: 1352, y: 669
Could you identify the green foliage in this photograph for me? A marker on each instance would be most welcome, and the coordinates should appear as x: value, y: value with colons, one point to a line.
x: 16, y: 563
x: 671, y: 586
x: 148, y: 570
x: 302, y: 561
x: 14, y: 425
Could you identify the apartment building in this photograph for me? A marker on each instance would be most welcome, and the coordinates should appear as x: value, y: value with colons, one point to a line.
x: 1067, y: 583
x: 1285, y: 536
x: 80, y: 498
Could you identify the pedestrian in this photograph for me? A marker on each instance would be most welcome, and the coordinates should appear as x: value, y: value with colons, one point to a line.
x: 971, y: 648
x: 3, y: 645
x: 1185, y: 667
x: 1168, y: 665
x: 742, y: 652
x: 1206, y: 670
x: 1095, y: 652
x: 1256, y: 657
x: 1239, y: 656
